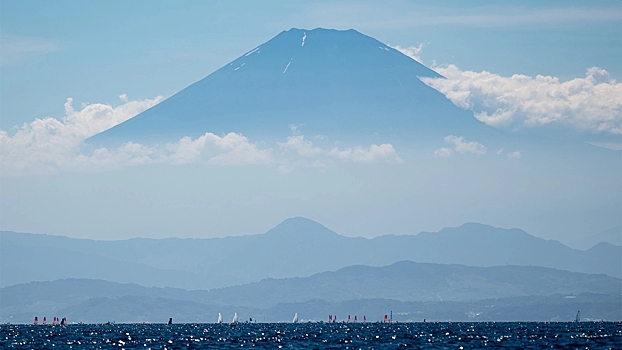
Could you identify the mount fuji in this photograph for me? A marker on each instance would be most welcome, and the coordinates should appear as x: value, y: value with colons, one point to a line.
x: 335, y: 83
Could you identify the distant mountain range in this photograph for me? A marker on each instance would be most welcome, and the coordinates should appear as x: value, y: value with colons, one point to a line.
x: 410, y: 281
x: 336, y: 83
x: 297, y: 247
x: 414, y: 290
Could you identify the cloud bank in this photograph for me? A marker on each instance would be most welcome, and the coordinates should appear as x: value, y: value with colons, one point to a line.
x: 590, y: 104
x: 297, y: 144
x: 50, y: 145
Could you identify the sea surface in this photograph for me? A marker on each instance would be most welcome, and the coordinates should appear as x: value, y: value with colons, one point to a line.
x: 430, y: 335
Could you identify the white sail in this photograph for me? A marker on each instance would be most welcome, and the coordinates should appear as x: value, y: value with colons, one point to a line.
x: 295, y: 318
x: 219, y: 318
x: 235, y: 317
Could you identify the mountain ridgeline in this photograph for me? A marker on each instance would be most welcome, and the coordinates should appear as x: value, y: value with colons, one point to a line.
x: 413, y: 290
x: 298, y: 247
x: 336, y: 83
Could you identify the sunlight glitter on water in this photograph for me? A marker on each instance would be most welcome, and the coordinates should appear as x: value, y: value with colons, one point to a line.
x: 585, y: 335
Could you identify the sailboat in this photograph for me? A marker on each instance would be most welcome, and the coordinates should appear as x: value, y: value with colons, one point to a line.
x: 295, y: 318
x: 219, y: 318
x: 235, y: 319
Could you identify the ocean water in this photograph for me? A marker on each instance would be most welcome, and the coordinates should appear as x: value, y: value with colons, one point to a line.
x: 430, y: 335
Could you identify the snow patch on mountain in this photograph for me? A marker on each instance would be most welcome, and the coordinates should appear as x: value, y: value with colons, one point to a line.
x: 288, y: 63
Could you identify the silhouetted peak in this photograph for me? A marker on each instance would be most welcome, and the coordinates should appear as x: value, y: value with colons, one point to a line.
x: 604, y: 246
x: 299, y: 226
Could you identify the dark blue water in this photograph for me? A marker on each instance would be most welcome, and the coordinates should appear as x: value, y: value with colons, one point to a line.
x: 500, y: 335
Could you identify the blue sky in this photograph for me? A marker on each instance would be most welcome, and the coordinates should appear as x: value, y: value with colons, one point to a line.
x: 116, y: 58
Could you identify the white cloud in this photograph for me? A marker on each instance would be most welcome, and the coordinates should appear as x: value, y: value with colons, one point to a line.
x: 320, y: 157
x: 294, y: 128
x: 442, y: 152
x: 463, y: 146
x: 15, y: 49
x: 383, y: 152
x: 95, y: 118
x: 48, y: 144
x: 514, y: 155
x: 129, y: 154
x: 231, y: 149
x: 592, y: 103
x: 52, y: 145
x: 413, y: 52
x: 235, y: 149
x: 302, y: 147
x: 616, y: 146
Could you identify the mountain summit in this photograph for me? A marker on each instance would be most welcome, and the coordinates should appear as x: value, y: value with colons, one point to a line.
x: 301, y: 227
x: 334, y: 82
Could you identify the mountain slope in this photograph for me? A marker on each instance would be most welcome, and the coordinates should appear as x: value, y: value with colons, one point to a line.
x: 335, y: 82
